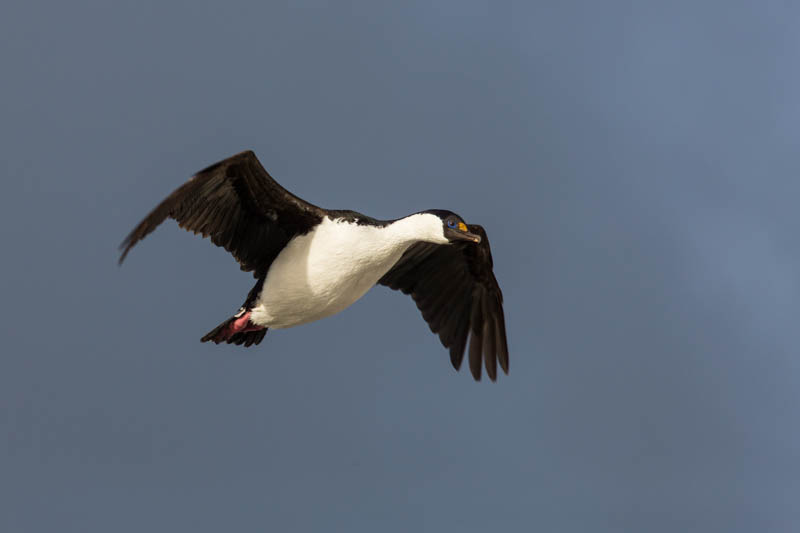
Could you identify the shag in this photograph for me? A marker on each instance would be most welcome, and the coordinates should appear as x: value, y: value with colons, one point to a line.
x: 311, y: 263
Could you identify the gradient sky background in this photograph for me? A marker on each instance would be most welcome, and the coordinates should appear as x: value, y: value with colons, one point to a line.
x: 635, y: 164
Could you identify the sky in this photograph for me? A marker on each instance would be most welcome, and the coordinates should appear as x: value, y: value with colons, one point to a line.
x: 634, y: 164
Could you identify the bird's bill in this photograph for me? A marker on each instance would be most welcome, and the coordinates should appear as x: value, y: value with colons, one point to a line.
x: 461, y: 233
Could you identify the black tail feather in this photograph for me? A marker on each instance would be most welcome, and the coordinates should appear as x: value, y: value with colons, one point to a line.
x: 249, y: 338
x: 220, y: 334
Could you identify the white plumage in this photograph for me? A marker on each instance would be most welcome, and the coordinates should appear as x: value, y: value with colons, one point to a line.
x: 328, y: 269
x: 310, y: 262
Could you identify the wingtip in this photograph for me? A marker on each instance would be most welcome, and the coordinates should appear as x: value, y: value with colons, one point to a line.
x: 124, y: 248
x: 503, y: 363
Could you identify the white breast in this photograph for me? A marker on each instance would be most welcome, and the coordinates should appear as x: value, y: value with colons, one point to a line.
x: 325, y: 271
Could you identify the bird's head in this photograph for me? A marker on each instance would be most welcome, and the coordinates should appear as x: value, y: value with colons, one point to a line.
x: 452, y: 227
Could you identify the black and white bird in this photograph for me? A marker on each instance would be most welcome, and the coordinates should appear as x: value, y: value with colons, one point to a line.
x: 311, y: 263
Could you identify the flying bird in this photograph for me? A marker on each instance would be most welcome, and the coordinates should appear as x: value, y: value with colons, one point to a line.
x: 310, y: 263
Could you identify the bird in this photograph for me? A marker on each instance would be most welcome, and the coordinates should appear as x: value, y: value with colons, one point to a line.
x: 310, y: 263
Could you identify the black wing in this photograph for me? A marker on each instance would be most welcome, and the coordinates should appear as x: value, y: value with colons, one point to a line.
x: 456, y: 290
x: 240, y: 207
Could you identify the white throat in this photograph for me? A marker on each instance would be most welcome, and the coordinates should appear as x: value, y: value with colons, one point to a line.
x: 419, y: 227
x: 326, y: 270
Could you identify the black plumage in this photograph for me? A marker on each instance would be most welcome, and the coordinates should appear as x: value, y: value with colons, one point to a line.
x: 241, y: 208
x: 455, y: 289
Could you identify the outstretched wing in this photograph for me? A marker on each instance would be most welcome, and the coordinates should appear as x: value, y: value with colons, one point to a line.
x: 240, y: 207
x: 455, y: 288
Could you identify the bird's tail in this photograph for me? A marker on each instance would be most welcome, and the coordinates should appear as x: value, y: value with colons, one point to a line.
x: 236, y: 330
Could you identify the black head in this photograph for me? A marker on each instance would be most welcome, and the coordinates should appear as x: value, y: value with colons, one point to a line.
x: 454, y: 227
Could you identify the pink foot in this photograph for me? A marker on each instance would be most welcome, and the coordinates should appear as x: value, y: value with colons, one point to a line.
x: 242, y: 325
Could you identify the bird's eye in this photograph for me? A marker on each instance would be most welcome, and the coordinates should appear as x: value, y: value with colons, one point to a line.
x: 451, y: 223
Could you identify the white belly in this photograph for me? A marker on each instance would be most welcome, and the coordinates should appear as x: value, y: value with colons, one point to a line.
x: 325, y: 271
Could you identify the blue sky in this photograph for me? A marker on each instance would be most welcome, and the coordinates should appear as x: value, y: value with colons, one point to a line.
x: 635, y: 166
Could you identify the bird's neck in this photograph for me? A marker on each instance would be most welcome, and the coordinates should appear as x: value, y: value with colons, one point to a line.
x: 414, y: 228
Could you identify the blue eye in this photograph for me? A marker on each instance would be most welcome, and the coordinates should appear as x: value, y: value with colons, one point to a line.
x: 451, y: 223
